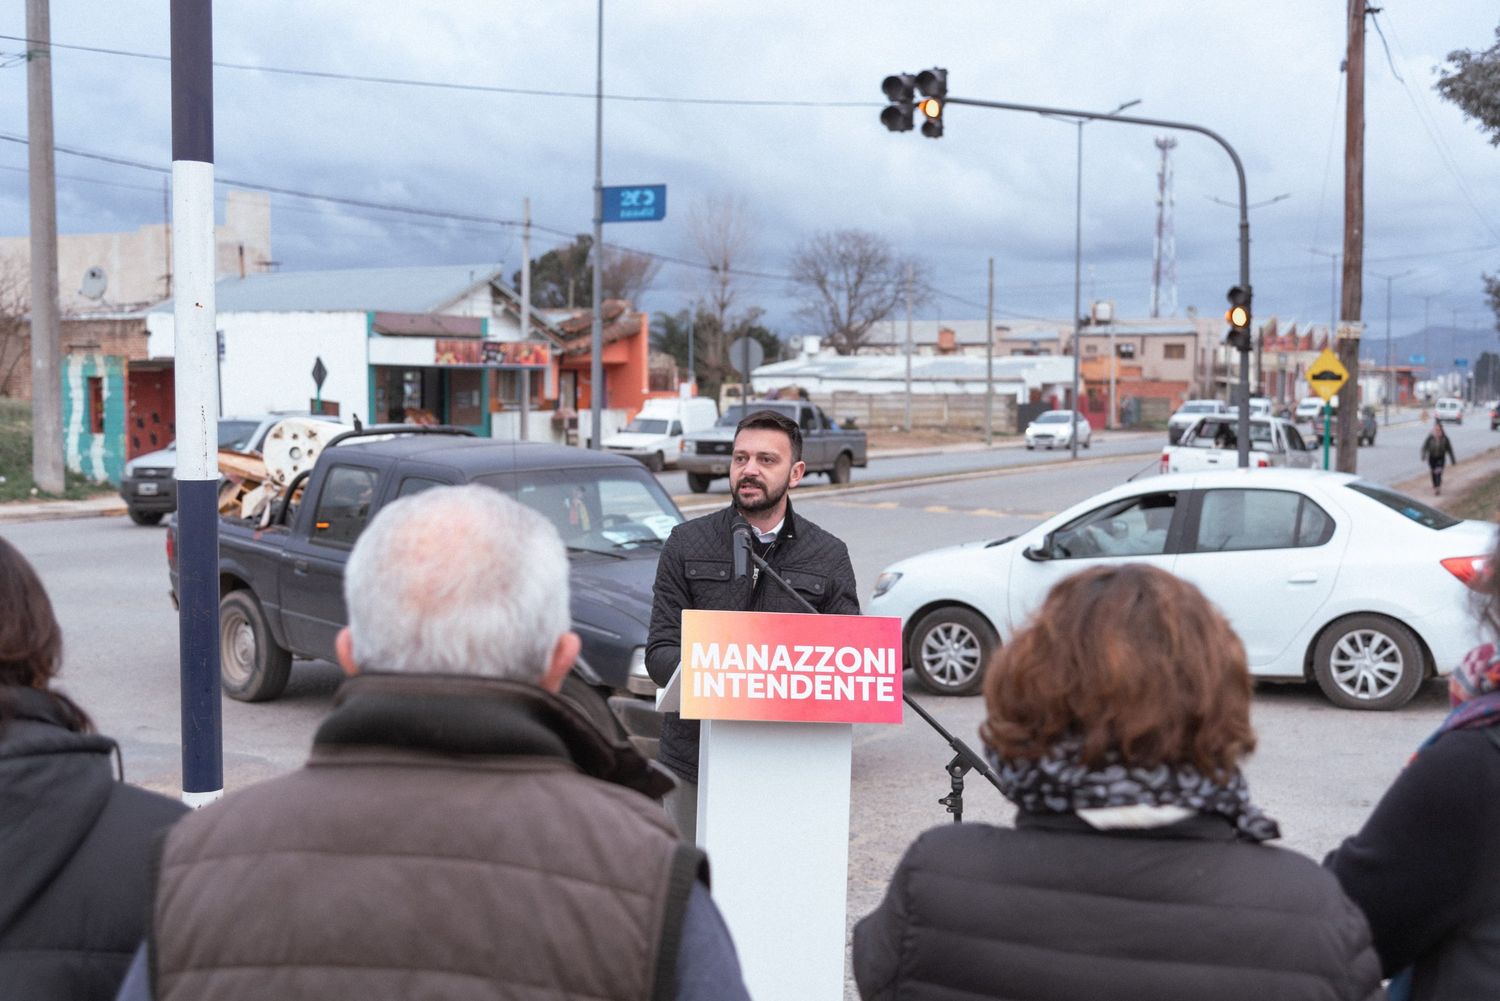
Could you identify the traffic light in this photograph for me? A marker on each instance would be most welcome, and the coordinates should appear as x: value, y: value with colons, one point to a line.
x: 1238, y: 317
x: 933, y: 85
x: 900, y: 90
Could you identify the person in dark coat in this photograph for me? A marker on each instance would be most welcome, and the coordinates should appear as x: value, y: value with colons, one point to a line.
x: 1437, y: 451
x: 1138, y: 867
x: 694, y: 571
x: 75, y: 840
x: 1424, y: 865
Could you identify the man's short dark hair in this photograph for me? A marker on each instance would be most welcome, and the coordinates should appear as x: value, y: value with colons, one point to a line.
x: 773, y: 420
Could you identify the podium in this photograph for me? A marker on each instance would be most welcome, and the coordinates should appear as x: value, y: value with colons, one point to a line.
x: 778, y: 695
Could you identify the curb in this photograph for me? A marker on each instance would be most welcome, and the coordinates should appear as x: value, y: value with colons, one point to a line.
x: 18, y: 512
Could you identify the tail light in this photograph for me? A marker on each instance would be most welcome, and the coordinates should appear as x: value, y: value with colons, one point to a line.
x: 1471, y: 570
x: 172, y: 550
x: 1166, y: 462
x: 1263, y: 463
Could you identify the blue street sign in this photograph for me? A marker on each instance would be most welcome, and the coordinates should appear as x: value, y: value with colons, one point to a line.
x: 639, y: 203
x: 1460, y: 363
x: 1417, y: 359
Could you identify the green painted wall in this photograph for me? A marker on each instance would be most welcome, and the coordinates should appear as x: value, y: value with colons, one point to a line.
x: 99, y: 456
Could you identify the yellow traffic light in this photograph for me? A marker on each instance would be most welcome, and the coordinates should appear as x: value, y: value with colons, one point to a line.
x: 931, y: 107
x: 1238, y: 316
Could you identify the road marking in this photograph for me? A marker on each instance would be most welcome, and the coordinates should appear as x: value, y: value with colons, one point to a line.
x: 937, y: 509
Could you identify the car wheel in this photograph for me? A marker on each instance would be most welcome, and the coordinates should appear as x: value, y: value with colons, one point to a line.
x: 699, y: 483
x: 1368, y: 662
x: 840, y: 471
x: 949, y: 650
x: 144, y: 517
x: 656, y: 462
x: 1088, y: 441
x: 1030, y: 447
x: 252, y: 667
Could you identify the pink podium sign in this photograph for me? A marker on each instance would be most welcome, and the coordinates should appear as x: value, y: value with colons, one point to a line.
x: 791, y: 668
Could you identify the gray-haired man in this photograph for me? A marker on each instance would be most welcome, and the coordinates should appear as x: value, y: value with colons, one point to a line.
x: 458, y: 830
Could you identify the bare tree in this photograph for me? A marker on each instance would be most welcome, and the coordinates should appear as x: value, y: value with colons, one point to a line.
x: 848, y: 280
x: 723, y: 235
x: 15, y: 330
x: 627, y: 274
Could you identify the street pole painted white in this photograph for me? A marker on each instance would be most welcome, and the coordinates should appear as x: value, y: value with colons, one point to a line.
x: 196, y: 370
x: 908, y: 346
x: 1077, y: 289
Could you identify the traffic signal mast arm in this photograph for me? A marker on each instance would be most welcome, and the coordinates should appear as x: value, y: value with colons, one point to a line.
x: 939, y: 78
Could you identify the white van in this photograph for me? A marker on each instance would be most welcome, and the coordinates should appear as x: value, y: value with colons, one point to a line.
x: 654, y: 435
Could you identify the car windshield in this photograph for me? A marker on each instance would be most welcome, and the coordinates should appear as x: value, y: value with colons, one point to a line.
x: 1053, y: 417
x: 604, y: 510
x: 1220, y: 432
x: 733, y: 415
x: 1404, y: 505
x: 236, y: 435
x: 1200, y: 408
x: 641, y: 426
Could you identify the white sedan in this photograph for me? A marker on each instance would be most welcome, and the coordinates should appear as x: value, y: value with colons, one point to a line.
x: 1051, y: 430
x: 1324, y: 576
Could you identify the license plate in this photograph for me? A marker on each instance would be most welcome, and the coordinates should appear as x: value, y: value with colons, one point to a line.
x: 146, y: 489
x: 719, y: 467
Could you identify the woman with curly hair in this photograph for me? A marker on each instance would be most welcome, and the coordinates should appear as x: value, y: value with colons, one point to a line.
x: 74, y: 838
x: 1138, y: 867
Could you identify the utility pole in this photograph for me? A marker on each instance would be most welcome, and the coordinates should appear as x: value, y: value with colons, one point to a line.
x: 1354, y: 237
x: 1390, y: 374
x: 46, y: 350
x: 908, y: 347
x: 596, y: 333
x: 525, y: 314
x: 989, y: 362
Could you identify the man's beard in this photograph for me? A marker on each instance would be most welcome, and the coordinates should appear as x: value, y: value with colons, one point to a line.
x: 769, y: 498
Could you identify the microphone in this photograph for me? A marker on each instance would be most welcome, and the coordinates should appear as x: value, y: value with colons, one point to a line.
x: 740, y: 536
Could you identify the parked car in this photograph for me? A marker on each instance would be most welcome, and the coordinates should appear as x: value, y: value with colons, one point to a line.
x: 1188, y: 413
x: 1310, y: 408
x: 282, y: 585
x: 1368, y: 426
x: 148, y: 486
x: 655, y: 435
x: 1449, y: 410
x: 826, y: 447
x: 1213, y: 443
x: 1325, y: 577
x: 1260, y: 405
x: 1494, y: 411
x: 1054, y: 429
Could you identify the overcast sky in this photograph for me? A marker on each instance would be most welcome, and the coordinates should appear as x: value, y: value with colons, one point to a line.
x: 1265, y: 75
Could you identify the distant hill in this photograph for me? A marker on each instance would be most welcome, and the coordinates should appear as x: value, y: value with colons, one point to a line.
x: 1439, y: 345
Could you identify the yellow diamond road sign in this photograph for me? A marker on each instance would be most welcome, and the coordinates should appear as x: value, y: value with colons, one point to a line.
x: 1327, y: 375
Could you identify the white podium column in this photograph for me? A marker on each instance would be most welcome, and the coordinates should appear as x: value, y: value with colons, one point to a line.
x: 773, y: 815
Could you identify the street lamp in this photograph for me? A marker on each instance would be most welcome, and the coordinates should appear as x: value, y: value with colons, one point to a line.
x: 1333, y: 293
x: 1390, y: 376
x: 1078, y: 260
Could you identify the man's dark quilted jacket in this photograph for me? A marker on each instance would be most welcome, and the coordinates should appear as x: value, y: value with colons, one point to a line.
x: 695, y: 571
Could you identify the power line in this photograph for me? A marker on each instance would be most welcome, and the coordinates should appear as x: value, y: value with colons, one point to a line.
x: 471, y: 87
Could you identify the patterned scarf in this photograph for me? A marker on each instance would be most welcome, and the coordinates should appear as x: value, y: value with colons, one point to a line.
x: 1474, y: 692
x: 1059, y: 782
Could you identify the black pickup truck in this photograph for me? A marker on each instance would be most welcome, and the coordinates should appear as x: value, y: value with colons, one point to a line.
x: 281, y: 585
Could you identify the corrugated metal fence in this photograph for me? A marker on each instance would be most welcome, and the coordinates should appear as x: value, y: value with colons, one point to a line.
x: 928, y: 410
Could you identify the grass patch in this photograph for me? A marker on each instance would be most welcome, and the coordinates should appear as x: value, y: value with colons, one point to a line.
x: 1480, y: 502
x: 15, y: 460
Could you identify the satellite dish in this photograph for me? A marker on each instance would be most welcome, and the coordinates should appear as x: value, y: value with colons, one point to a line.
x: 94, y: 283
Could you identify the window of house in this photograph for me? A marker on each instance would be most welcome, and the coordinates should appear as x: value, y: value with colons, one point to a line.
x: 1091, y: 349
x: 1174, y: 352
x: 96, y: 404
x: 1126, y: 350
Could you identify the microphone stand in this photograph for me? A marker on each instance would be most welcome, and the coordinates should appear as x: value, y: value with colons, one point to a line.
x: 964, y: 757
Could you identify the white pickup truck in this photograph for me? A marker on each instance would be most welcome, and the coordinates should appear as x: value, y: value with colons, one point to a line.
x: 1212, y: 442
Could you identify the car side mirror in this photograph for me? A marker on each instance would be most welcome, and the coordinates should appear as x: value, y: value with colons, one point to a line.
x: 1041, y: 552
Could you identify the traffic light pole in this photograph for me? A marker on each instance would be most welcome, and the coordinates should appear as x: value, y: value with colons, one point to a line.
x: 1239, y: 170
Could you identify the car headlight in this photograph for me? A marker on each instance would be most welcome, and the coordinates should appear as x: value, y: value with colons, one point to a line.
x: 885, y: 582
x: 689, y: 447
x: 638, y: 663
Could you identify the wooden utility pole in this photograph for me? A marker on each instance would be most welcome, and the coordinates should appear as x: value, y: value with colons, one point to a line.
x: 46, y: 352
x: 1354, y: 237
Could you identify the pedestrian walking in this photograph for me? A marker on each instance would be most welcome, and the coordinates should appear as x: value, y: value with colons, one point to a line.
x: 1437, y: 451
x: 75, y: 840
x: 1423, y: 866
x: 1138, y: 867
x: 694, y: 571
x: 459, y: 831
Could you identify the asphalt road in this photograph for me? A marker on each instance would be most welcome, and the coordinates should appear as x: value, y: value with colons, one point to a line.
x: 1318, y: 769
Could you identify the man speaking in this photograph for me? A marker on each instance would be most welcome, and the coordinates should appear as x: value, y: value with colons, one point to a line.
x: 700, y: 569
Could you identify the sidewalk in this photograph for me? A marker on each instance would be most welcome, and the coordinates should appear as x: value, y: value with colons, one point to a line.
x: 104, y: 505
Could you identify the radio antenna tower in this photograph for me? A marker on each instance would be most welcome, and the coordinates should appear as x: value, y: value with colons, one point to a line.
x: 1164, y: 256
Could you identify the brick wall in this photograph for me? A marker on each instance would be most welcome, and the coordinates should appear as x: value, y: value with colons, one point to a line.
x: 125, y: 339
